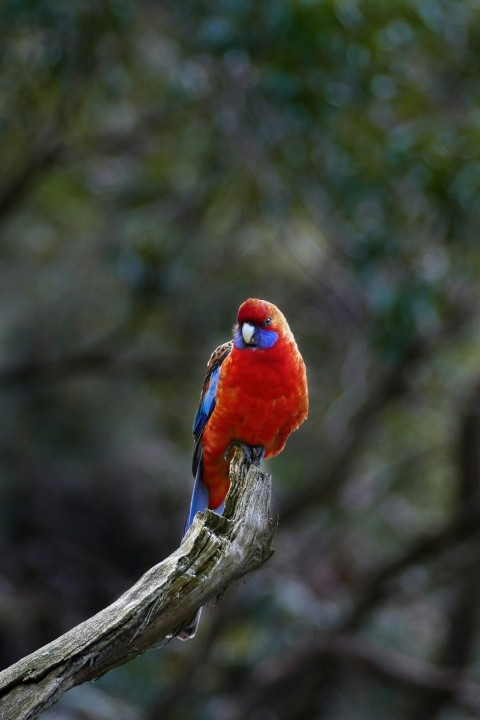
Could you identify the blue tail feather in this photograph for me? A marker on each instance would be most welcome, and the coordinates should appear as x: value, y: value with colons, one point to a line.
x: 199, y: 501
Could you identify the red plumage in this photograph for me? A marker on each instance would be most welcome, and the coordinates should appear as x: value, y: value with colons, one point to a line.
x: 261, y: 396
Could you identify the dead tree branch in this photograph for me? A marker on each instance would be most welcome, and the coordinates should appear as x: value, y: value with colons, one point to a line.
x: 216, y: 551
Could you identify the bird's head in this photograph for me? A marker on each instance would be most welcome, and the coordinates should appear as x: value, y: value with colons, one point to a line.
x: 260, y: 325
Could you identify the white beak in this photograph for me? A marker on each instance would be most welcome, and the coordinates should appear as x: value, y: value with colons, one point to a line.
x: 247, y: 332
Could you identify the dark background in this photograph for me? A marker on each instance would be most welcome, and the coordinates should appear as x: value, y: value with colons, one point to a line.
x: 160, y: 163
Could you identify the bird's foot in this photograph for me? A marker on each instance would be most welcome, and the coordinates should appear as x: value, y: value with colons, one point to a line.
x: 254, y: 454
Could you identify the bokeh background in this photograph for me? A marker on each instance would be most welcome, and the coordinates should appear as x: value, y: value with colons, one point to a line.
x: 161, y: 162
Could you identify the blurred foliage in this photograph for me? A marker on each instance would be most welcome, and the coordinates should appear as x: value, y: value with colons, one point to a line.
x: 161, y: 162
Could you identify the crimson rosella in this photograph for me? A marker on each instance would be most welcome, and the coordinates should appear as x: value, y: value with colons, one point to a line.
x: 255, y: 394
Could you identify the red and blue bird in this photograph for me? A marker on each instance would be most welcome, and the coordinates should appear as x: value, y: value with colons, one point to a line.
x: 255, y: 394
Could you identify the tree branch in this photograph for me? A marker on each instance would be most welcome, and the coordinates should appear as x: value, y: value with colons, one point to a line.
x: 45, y: 153
x: 464, y: 525
x: 275, y: 681
x: 216, y: 551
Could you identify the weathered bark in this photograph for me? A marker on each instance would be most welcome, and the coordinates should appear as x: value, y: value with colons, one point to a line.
x: 215, y: 551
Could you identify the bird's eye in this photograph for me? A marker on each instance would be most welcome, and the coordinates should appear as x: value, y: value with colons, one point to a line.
x: 267, y: 321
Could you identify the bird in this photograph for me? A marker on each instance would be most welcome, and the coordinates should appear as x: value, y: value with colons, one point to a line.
x: 255, y: 394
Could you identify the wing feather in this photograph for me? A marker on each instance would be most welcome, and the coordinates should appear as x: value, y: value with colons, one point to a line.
x: 205, y: 408
x: 208, y: 398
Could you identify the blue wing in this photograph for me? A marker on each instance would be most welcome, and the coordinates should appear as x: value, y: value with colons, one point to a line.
x: 207, y: 403
x: 199, y: 499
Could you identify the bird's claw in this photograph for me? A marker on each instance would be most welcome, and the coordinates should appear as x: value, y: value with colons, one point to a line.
x: 254, y: 454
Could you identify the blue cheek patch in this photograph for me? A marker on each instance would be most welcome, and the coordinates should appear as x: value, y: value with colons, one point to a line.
x: 238, y: 340
x: 264, y: 339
